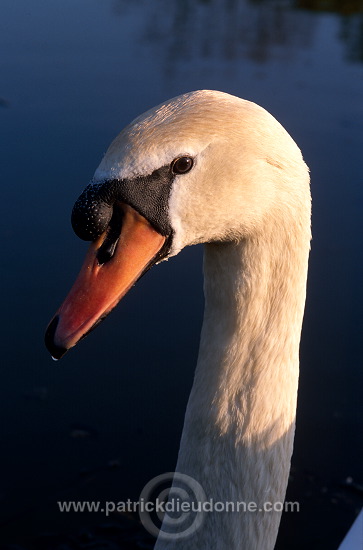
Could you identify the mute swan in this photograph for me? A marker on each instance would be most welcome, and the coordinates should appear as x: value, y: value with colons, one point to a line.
x: 207, y: 167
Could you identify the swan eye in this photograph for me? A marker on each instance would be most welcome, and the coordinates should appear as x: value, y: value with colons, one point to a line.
x: 182, y: 165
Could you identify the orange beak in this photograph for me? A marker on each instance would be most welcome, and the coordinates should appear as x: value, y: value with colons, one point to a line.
x: 99, y: 287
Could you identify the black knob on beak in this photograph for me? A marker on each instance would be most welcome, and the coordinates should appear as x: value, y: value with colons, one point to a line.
x: 93, y: 210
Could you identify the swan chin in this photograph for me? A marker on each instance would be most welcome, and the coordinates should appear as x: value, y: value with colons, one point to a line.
x: 112, y: 266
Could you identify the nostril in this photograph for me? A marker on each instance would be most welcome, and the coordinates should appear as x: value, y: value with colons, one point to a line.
x: 90, y: 215
x: 107, y: 249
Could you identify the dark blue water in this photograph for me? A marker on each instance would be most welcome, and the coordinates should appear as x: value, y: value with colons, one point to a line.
x: 73, y: 73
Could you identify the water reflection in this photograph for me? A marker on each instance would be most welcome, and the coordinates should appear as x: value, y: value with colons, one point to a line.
x: 351, y: 23
x: 346, y: 7
x: 352, y: 34
x: 230, y: 29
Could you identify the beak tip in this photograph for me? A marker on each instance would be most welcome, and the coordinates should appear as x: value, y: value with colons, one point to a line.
x: 56, y: 351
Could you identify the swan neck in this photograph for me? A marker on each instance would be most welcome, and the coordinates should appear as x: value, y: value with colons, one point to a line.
x: 239, y: 427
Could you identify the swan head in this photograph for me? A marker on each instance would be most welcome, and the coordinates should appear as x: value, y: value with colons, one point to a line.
x: 202, y: 167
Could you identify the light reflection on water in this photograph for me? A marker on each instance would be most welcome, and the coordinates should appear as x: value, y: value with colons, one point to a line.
x: 255, y: 29
x: 73, y: 75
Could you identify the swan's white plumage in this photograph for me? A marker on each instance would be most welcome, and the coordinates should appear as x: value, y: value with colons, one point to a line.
x: 248, y: 196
